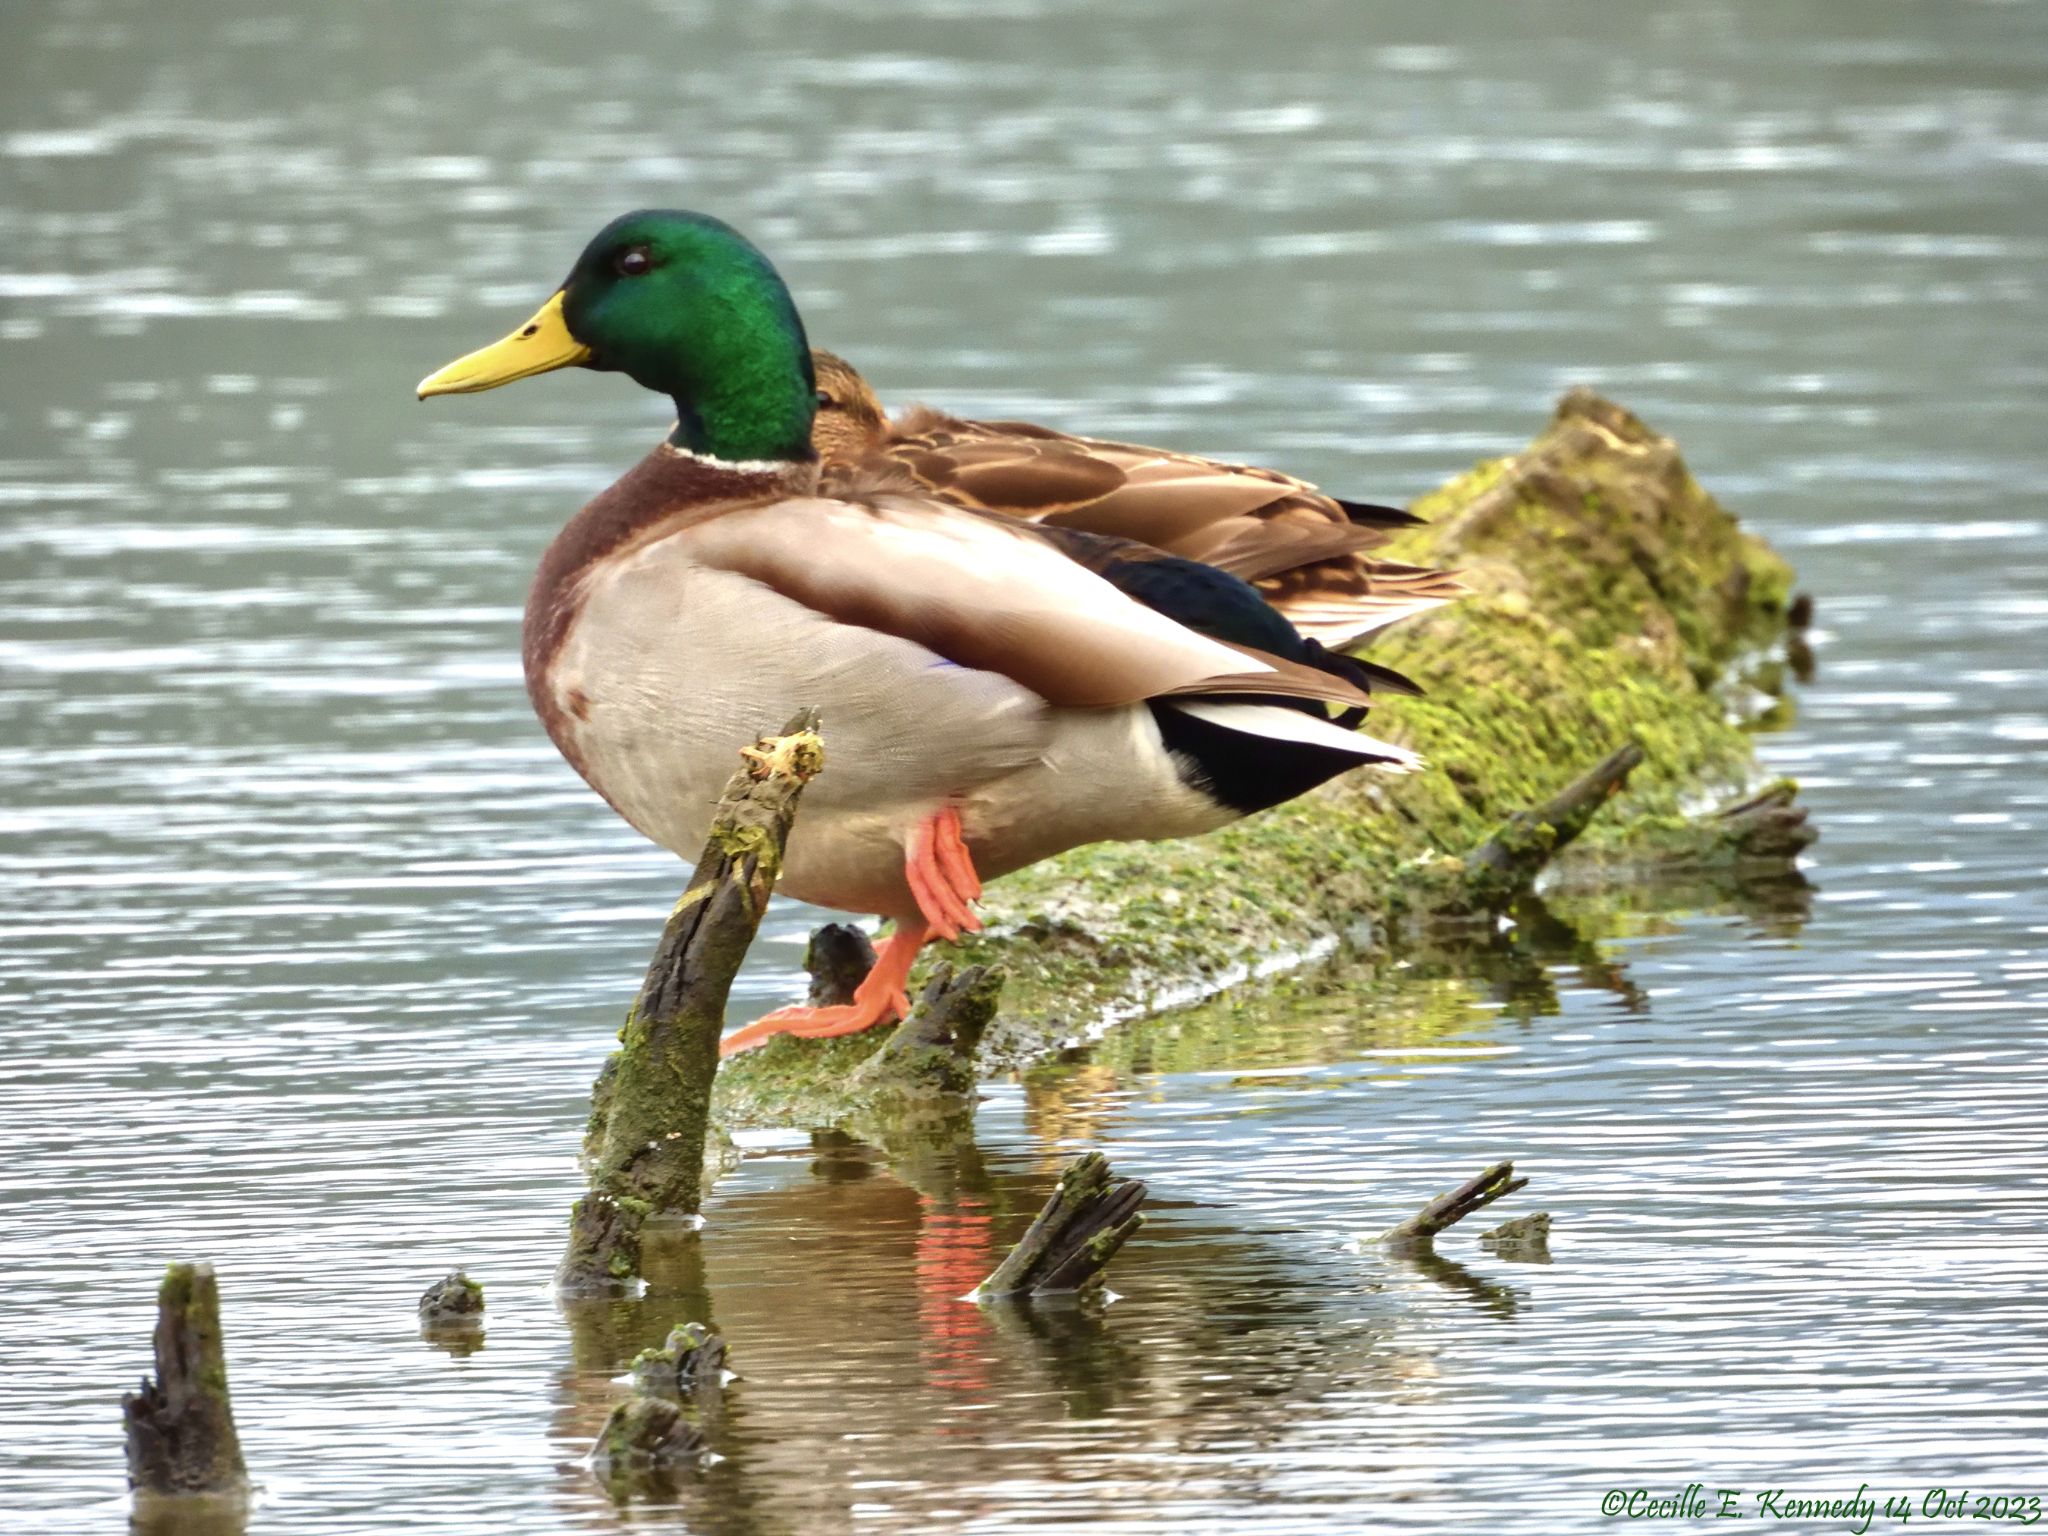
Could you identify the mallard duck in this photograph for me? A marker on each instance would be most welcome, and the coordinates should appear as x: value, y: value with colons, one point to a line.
x: 1304, y: 550
x: 993, y: 691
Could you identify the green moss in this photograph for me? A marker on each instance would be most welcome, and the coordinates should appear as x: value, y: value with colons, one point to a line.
x: 1610, y: 594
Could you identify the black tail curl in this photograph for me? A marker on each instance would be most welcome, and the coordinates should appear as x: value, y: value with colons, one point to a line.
x: 1367, y: 675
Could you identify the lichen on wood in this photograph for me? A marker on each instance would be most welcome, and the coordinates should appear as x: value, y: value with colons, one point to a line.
x: 688, y: 1368
x: 644, y: 1442
x: 181, y: 1425
x: 1610, y: 595
x: 646, y: 1142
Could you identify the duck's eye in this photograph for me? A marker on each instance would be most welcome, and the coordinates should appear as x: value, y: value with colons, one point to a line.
x: 826, y: 400
x: 634, y: 261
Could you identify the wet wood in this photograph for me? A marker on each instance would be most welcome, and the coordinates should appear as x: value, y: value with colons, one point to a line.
x: 1089, y: 1216
x: 932, y: 1051
x: 1446, y: 1210
x: 1524, y: 1238
x: 1769, y: 826
x: 452, y: 1304
x: 838, y: 958
x: 651, y: 1106
x: 689, y: 1368
x: 643, y: 1442
x: 1506, y: 865
x: 181, y: 1426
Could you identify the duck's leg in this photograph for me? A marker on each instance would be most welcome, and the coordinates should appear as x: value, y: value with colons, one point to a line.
x: 941, y: 875
x: 942, y: 878
x: 877, y: 1000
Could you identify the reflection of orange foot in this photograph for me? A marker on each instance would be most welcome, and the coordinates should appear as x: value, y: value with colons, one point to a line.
x: 879, y: 999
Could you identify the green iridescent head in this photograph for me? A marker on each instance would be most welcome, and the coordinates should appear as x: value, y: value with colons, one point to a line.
x: 682, y: 304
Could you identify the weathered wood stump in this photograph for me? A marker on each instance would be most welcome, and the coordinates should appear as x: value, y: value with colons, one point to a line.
x: 181, y: 1427
x: 642, y: 1445
x: 838, y: 958
x: 650, y: 1107
x: 1089, y: 1216
x: 454, y: 1301
x: 689, y: 1368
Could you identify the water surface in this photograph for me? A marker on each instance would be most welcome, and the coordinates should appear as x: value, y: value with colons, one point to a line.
x: 311, y: 945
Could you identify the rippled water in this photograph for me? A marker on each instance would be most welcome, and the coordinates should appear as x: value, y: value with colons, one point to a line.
x: 311, y: 946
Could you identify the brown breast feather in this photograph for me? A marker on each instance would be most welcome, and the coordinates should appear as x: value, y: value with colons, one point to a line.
x: 666, y: 490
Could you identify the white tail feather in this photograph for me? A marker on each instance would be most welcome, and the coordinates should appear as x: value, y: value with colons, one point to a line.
x: 1277, y: 723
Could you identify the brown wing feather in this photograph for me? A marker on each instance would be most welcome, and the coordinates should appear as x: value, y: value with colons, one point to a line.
x: 1307, y: 552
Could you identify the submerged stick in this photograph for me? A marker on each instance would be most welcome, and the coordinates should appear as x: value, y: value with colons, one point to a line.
x: 1526, y: 1238
x: 1476, y: 1193
x: 1086, y: 1220
x: 181, y: 1427
x: 646, y: 1140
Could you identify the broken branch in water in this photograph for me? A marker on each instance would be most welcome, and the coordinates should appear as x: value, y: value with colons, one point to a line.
x: 646, y: 1142
x: 1086, y: 1220
x: 1507, y: 863
x: 181, y: 1426
x: 1476, y: 1193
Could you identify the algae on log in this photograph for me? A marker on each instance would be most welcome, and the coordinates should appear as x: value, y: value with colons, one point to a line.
x: 920, y: 1086
x: 181, y: 1428
x: 1611, y: 597
x: 652, y: 1100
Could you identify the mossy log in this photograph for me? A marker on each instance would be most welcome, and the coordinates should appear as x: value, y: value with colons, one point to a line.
x: 181, y: 1426
x: 651, y: 1102
x: 921, y: 1080
x: 1087, y: 1218
x: 1613, y: 600
x: 1446, y: 1210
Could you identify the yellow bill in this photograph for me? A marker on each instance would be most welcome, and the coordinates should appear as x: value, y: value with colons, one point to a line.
x: 541, y: 345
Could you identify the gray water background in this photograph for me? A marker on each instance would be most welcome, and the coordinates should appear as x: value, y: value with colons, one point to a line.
x: 310, y: 945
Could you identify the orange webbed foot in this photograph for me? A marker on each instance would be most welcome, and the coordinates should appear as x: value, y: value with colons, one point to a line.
x: 880, y: 999
x: 941, y: 875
